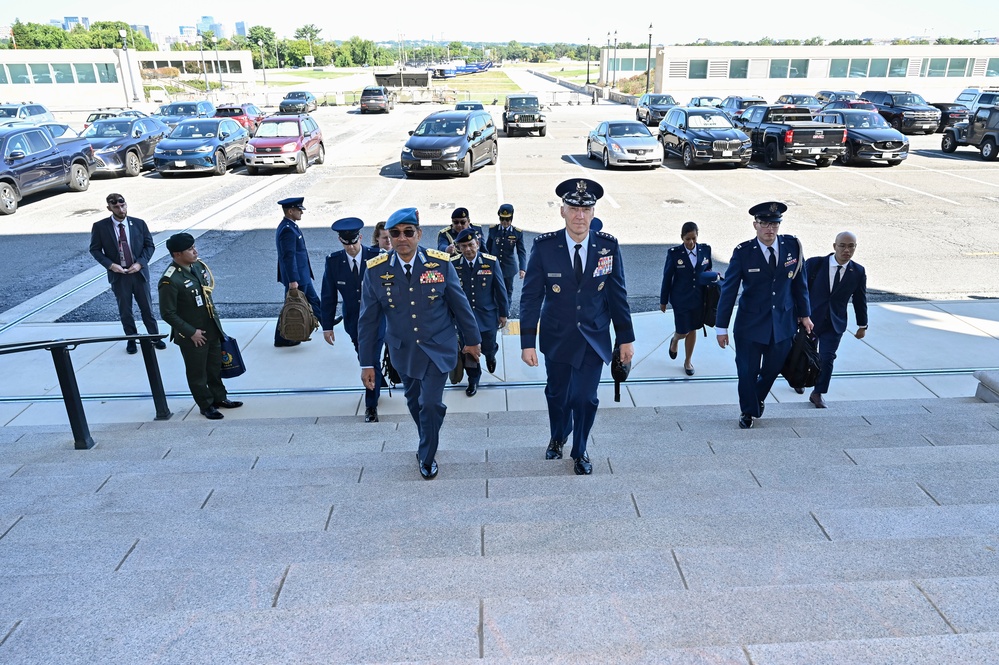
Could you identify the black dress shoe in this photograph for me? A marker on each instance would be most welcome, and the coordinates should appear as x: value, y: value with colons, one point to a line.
x: 816, y: 399
x: 371, y: 415
x: 491, y: 364
x: 211, y: 413
x: 472, y: 388
x: 582, y: 467
x: 428, y: 471
x: 286, y: 343
x: 337, y: 319
x: 672, y: 350
x: 554, y: 449
x: 745, y: 421
x: 130, y: 348
x: 689, y: 370
x: 227, y: 404
x: 763, y: 407
x: 800, y: 391
x: 160, y: 344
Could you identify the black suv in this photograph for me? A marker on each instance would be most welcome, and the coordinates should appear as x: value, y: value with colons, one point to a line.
x: 377, y: 98
x: 981, y: 131
x: 523, y: 113
x: 652, y: 108
x: 905, y: 111
x: 451, y: 142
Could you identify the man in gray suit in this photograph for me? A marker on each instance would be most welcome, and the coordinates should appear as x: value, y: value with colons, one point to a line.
x: 124, y: 246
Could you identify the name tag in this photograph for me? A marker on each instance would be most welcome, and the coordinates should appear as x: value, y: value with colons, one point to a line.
x: 754, y: 270
x: 341, y: 282
x: 554, y: 274
x: 197, y: 299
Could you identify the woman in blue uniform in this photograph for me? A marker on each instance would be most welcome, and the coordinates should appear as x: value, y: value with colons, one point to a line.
x: 685, y: 275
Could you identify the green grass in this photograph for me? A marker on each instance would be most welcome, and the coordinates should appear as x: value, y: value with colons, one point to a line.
x: 311, y: 74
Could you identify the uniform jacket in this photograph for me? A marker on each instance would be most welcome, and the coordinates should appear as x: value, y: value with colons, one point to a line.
x: 104, y: 245
x: 293, y: 257
x: 446, y: 236
x: 771, y: 301
x: 483, y: 286
x: 683, y: 283
x: 185, y: 304
x: 507, y: 245
x: 573, y: 314
x: 831, y: 305
x: 339, y: 280
x: 420, y: 313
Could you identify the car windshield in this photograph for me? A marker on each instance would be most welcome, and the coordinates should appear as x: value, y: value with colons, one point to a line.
x: 865, y: 121
x: 708, y: 101
x: 284, y: 129
x: 372, y: 93
x: 845, y: 95
x: 8, y: 111
x: 179, y: 109
x: 297, y: 95
x: 108, y: 129
x: 229, y: 112
x: 523, y: 104
x: 620, y: 130
x: 805, y: 99
x: 709, y: 121
x: 195, y: 130
x: 468, y: 106
x: 908, y: 99
x: 746, y: 103
x: 441, y: 127
x: 662, y: 100
x: 790, y: 115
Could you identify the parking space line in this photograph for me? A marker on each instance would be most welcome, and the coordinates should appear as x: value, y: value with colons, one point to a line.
x: 894, y: 184
x: 499, y: 184
x: 954, y: 175
x: 606, y: 196
x: 395, y: 190
x: 700, y: 187
x: 793, y: 184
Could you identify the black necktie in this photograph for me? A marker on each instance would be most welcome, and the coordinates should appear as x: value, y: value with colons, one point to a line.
x: 409, y: 272
x: 577, y: 265
x: 836, y: 278
x: 773, y: 259
x: 354, y: 269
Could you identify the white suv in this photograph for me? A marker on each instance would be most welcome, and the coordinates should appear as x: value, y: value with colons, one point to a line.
x: 35, y: 114
x: 975, y: 97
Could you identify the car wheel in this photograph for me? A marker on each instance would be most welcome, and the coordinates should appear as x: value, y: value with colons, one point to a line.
x: 132, y: 165
x: 847, y: 156
x: 989, y: 150
x: 543, y: 131
x: 606, y: 160
x: 494, y: 154
x: 770, y: 155
x: 252, y: 170
x: 823, y: 162
x: 894, y: 162
x: 948, y: 143
x: 638, y: 117
x: 220, y: 163
x: 896, y: 123
x: 321, y: 157
x: 688, y: 157
x: 301, y: 163
x: 8, y: 199
x: 466, y: 165
x: 589, y: 151
x: 79, y: 178
x: 665, y: 149
x: 744, y: 163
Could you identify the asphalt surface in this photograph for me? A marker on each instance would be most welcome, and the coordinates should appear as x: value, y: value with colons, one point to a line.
x: 925, y: 228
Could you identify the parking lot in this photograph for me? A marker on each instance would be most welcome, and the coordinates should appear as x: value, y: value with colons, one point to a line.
x: 926, y: 228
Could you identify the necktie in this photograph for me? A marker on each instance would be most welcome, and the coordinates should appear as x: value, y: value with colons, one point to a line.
x: 409, y: 272
x: 836, y: 278
x: 354, y: 268
x: 577, y: 265
x: 124, y: 251
x: 773, y: 258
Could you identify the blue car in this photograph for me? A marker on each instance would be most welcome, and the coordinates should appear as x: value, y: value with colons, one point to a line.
x: 209, y: 144
x: 171, y: 114
x: 125, y: 144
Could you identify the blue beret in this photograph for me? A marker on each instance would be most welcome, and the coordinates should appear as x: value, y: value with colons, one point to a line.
x: 293, y: 202
x: 505, y: 210
x: 771, y: 211
x: 466, y: 234
x: 579, y: 192
x: 596, y: 224
x: 459, y: 212
x: 403, y: 216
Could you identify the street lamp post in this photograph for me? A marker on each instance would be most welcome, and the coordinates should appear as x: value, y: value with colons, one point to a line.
x: 587, y: 61
x: 605, y: 72
x: 615, y: 60
x: 218, y: 65
x: 204, y: 66
x: 260, y: 43
x: 124, y: 43
x: 648, y: 60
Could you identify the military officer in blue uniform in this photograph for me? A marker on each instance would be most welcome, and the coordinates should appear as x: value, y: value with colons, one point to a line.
x: 506, y: 243
x: 774, y: 298
x: 416, y: 292
x: 575, y: 284
x: 343, y: 276
x: 482, y: 281
x: 294, y: 270
x: 460, y: 221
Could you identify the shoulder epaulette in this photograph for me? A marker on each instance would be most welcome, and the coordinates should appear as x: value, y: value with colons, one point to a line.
x: 438, y: 254
x: 739, y: 246
x: 456, y: 257
x: 381, y: 258
x: 170, y: 271
x: 517, y: 229
x: 489, y: 256
x: 604, y: 234
x: 546, y: 236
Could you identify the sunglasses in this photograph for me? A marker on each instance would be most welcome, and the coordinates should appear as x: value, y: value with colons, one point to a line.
x: 116, y: 201
x: 395, y: 233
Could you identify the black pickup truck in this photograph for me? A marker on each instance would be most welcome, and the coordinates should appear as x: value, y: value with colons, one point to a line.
x: 33, y: 161
x: 784, y: 133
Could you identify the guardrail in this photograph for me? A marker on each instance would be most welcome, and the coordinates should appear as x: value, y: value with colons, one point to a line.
x: 60, y: 350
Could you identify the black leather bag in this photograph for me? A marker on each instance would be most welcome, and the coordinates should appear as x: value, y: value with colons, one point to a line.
x: 712, y: 293
x: 619, y: 372
x: 232, y: 359
x: 801, y: 368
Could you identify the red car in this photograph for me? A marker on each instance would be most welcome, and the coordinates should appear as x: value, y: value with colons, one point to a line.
x: 282, y: 141
x: 247, y: 115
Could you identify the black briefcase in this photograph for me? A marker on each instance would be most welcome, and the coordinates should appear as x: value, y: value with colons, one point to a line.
x: 801, y: 368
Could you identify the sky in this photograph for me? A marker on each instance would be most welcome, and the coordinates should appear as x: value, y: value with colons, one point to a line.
x: 551, y: 21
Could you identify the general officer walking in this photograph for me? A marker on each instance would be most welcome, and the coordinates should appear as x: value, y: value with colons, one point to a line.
x: 575, y: 283
x: 186, y: 304
x: 774, y: 298
x: 343, y: 276
x: 294, y: 270
x: 416, y: 292
x: 482, y: 281
x: 833, y: 281
x: 124, y: 246
x: 506, y: 242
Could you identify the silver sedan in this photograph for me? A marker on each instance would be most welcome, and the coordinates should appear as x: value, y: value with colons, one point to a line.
x: 624, y: 143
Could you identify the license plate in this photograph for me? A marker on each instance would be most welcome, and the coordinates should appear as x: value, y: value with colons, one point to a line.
x: 726, y: 153
x: 886, y: 155
x: 815, y: 151
x: 180, y: 164
x: 426, y: 163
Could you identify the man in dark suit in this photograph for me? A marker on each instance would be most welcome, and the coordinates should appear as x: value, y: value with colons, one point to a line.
x: 343, y: 277
x: 834, y: 280
x: 415, y: 291
x: 774, y: 298
x: 293, y: 268
x: 506, y: 243
x: 482, y: 281
x: 575, y: 284
x: 124, y: 246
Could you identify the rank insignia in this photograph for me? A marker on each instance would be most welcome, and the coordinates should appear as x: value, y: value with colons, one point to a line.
x: 556, y: 288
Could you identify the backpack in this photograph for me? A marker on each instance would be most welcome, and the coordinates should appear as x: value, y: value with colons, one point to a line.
x: 297, y: 321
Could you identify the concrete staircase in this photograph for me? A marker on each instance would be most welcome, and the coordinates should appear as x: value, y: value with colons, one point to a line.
x: 865, y: 533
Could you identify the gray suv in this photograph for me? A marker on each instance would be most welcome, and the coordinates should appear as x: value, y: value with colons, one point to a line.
x: 377, y: 98
x: 35, y: 114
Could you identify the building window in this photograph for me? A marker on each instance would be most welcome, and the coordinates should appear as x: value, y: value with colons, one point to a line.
x: 3, y: 76
x: 937, y: 68
x: 235, y: 67
x: 18, y: 74
x: 85, y: 73
x: 799, y: 68
x: 627, y: 64
x: 40, y: 73
x: 958, y: 67
x: 858, y: 68
x: 898, y: 68
x: 879, y: 68
x: 738, y: 69
x: 63, y: 73
x: 839, y: 68
x: 993, y: 68
x: 778, y: 68
x: 640, y: 64
x: 106, y: 73
x: 697, y: 69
